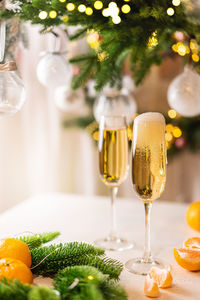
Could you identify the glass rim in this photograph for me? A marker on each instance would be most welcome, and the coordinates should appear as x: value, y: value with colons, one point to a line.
x: 113, y: 117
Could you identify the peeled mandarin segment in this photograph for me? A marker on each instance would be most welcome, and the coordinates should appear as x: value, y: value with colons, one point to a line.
x: 193, y: 215
x: 151, y: 288
x: 193, y: 243
x: 15, y: 249
x: 188, y: 258
x: 163, y: 277
x: 15, y: 269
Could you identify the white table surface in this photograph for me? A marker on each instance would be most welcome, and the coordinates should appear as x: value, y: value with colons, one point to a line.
x: 86, y: 218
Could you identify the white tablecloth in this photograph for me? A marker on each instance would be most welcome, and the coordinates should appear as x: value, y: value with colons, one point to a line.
x: 86, y: 218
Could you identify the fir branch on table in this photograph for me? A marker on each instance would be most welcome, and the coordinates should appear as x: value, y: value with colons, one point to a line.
x: 42, y: 293
x: 58, y: 257
x: 88, y: 281
x: 13, y: 290
x: 36, y: 240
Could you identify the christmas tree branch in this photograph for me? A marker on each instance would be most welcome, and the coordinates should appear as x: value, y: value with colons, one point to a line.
x: 49, y: 260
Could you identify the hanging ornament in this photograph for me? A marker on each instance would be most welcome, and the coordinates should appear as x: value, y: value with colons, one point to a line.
x: 114, y: 102
x: 12, y: 93
x: 184, y: 93
x: 53, y: 70
x: 70, y: 101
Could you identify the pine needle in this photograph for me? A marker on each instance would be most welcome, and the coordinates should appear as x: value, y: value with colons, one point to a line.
x: 36, y: 240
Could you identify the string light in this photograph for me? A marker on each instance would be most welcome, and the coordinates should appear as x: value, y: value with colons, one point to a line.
x: 98, y: 5
x: 181, y: 49
x: 43, y: 15
x: 172, y: 114
x: 170, y: 11
x: 53, y: 14
x: 126, y: 8
x: 195, y: 57
x: 81, y: 8
x: 114, y: 9
x: 102, y: 55
x: 96, y: 135
x: 194, y: 46
x: 65, y: 18
x: 168, y: 136
x: 89, y: 11
x: 153, y: 41
x: 169, y: 127
x: 70, y: 6
x: 93, y: 39
x: 106, y: 12
x: 116, y: 19
x: 177, y: 132
x: 176, y: 2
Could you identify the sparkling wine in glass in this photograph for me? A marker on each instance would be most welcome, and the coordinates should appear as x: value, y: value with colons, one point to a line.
x: 113, y: 168
x: 149, y: 157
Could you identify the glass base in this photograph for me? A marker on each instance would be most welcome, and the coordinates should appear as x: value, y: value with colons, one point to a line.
x: 140, y: 266
x: 114, y: 244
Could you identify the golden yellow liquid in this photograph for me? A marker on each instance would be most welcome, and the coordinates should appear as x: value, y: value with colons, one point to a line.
x: 113, y: 156
x: 149, y: 159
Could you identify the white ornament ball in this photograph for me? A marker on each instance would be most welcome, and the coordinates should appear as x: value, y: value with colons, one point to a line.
x: 71, y: 101
x: 53, y: 70
x: 184, y: 93
x: 115, y: 103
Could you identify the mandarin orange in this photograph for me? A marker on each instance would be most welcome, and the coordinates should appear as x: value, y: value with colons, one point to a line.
x: 193, y: 215
x: 188, y: 258
x: 193, y: 243
x: 150, y: 287
x: 163, y: 277
x: 15, y: 249
x: 15, y: 269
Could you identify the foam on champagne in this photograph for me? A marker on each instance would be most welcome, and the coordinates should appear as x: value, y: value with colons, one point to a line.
x: 150, y: 117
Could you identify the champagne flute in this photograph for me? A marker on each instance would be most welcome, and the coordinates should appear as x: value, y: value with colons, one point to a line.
x: 113, y: 167
x: 149, y: 157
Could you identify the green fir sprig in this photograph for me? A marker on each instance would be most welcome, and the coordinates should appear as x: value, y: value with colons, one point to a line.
x: 129, y: 39
x: 80, y: 272
x: 47, y: 261
x: 88, y: 282
x: 36, y: 240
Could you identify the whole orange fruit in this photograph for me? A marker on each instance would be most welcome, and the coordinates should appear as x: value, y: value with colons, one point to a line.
x: 15, y: 249
x: 15, y: 269
x: 193, y: 215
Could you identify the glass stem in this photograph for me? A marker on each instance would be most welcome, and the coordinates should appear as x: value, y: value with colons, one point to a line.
x: 113, y: 194
x: 147, y: 246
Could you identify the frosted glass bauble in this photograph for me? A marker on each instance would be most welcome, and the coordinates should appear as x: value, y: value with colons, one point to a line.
x: 53, y: 70
x: 71, y: 101
x: 113, y: 103
x: 12, y: 93
x: 184, y: 93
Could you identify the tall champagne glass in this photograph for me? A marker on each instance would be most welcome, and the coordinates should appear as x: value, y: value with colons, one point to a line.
x: 113, y: 167
x: 148, y: 176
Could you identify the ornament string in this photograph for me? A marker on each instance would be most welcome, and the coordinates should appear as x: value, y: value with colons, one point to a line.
x: 9, y: 66
x: 2, y: 34
x: 45, y: 258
